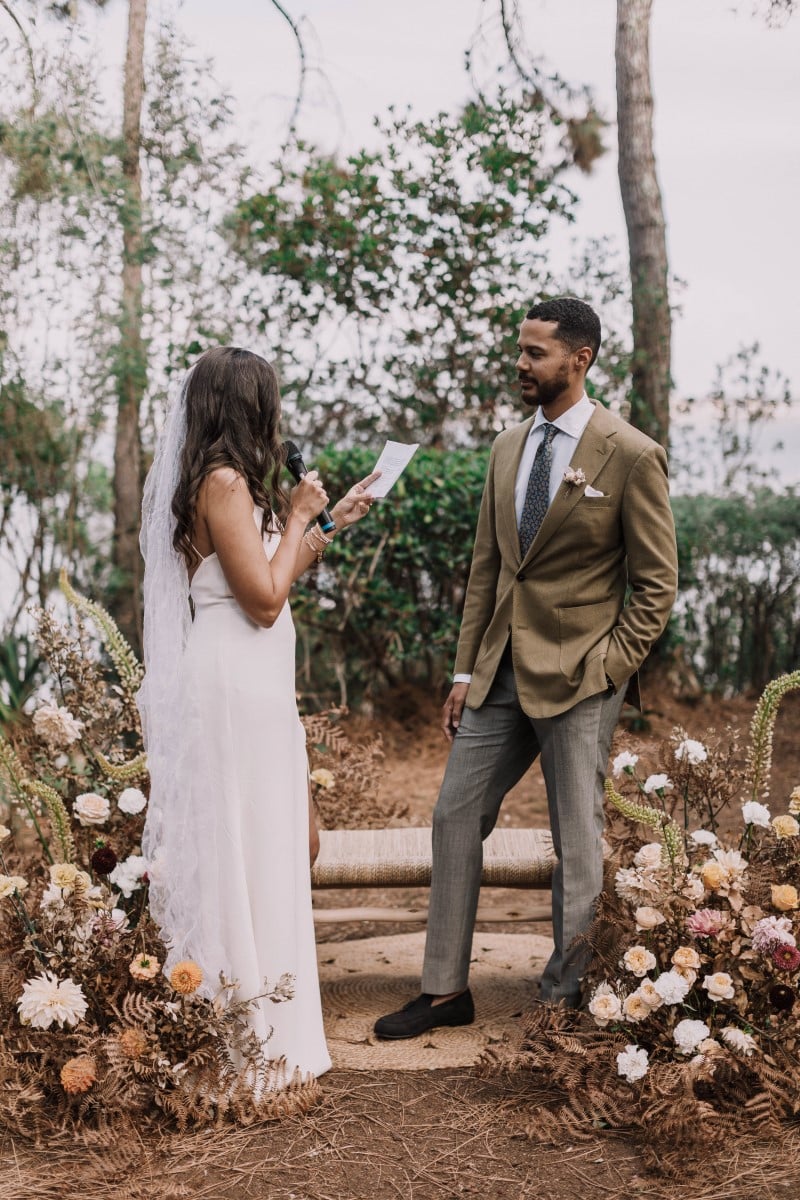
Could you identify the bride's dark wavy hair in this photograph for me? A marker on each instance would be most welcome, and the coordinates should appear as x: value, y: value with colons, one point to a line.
x: 233, y: 411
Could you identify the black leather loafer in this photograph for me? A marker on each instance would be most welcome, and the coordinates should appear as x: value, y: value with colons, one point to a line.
x: 422, y: 1014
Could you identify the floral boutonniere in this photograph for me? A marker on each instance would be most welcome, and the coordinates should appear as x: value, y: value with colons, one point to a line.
x: 574, y: 478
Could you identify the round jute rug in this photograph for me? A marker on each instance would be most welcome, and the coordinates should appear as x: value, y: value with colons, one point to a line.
x: 362, y: 980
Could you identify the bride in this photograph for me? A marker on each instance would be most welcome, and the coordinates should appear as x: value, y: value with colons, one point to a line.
x: 230, y: 828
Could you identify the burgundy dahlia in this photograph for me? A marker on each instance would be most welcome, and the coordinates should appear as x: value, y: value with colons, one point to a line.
x: 103, y: 861
x: 785, y: 957
x: 782, y: 997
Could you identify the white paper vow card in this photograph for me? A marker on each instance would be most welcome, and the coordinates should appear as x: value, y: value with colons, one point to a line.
x: 394, y: 458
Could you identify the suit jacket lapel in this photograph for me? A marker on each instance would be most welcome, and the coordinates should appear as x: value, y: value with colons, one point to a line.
x: 593, y: 451
x: 508, y: 468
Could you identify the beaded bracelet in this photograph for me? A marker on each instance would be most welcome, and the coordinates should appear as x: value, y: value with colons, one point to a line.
x: 321, y: 545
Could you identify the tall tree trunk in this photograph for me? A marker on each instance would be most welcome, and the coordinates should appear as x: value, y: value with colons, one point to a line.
x: 644, y: 217
x: 131, y: 371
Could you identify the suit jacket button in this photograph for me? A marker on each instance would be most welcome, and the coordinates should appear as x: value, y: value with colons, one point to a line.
x: 521, y: 577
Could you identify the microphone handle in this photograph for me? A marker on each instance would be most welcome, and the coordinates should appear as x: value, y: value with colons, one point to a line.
x: 299, y: 470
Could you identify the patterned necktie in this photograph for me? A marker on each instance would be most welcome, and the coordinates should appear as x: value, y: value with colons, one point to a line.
x: 537, y: 496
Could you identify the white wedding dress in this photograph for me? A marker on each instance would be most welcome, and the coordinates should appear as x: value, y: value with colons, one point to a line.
x: 237, y: 846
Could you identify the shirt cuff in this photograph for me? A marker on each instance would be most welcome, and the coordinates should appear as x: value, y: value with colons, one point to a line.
x: 462, y: 679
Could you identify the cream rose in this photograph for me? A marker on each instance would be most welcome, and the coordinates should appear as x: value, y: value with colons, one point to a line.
x: 91, y: 809
x: 784, y: 897
x: 719, y: 986
x: 639, y: 960
x: 647, y: 991
x: 635, y: 1008
x: 605, y: 1005
x: 647, y: 917
x: 686, y: 957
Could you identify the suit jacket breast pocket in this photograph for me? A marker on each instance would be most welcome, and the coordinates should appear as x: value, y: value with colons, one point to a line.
x: 588, y: 504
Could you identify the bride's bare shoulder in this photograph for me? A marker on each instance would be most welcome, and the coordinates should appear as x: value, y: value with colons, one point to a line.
x: 224, y: 484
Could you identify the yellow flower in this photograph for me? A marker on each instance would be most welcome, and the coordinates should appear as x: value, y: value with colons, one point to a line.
x: 144, y: 967
x: 784, y: 897
x: 686, y: 957
x: 712, y: 875
x: 186, y: 977
x: 78, y: 1074
x: 133, y: 1042
x: 324, y: 778
x: 63, y: 875
x: 785, y: 826
x: 794, y: 801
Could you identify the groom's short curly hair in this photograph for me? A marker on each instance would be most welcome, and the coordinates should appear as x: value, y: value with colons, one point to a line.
x: 578, y: 323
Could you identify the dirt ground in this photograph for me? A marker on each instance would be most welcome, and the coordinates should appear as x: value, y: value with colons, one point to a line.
x: 435, y: 1135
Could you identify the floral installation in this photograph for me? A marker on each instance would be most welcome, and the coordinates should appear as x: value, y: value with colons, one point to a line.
x: 91, y: 1028
x: 692, y: 1017
x: 574, y: 477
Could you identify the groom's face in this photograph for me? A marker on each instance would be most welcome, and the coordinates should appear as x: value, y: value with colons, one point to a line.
x: 544, y: 366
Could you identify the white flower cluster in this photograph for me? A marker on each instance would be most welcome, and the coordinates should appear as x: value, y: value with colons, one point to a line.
x: 47, y: 1000
x: 127, y: 875
x: 754, y: 813
x: 772, y: 931
x: 694, y: 752
x: 56, y: 726
x: 131, y: 801
x: 632, y: 1063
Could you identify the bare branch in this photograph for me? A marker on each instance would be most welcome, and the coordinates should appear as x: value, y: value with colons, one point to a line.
x: 301, y: 83
x: 28, y: 48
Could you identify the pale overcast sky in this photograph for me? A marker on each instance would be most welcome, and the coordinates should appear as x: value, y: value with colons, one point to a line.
x: 727, y: 95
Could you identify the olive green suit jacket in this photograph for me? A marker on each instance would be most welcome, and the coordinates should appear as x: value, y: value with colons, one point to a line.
x: 564, y: 604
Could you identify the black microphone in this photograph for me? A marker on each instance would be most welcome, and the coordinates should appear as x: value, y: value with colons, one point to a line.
x: 296, y: 467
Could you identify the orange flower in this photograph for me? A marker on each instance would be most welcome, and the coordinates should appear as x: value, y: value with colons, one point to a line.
x: 186, y: 977
x: 78, y: 1074
x: 132, y: 1042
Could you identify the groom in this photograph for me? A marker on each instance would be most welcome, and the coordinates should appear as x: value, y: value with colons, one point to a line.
x: 573, y: 577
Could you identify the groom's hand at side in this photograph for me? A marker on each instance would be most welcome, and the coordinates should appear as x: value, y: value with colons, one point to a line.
x: 453, y: 708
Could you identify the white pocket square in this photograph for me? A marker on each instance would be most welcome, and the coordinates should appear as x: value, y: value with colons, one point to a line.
x: 590, y: 491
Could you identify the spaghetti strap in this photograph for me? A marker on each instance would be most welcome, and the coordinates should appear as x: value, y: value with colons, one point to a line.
x: 202, y: 557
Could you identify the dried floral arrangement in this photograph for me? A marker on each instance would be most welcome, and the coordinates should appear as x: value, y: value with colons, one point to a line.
x: 91, y: 1030
x: 345, y: 775
x: 692, y: 1024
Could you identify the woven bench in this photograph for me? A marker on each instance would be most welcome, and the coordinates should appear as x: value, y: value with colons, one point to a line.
x: 385, y: 858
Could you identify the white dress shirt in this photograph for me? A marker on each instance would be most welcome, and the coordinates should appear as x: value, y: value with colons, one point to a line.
x: 570, y: 425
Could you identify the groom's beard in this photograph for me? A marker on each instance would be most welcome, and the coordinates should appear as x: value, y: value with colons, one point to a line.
x: 545, y: 392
